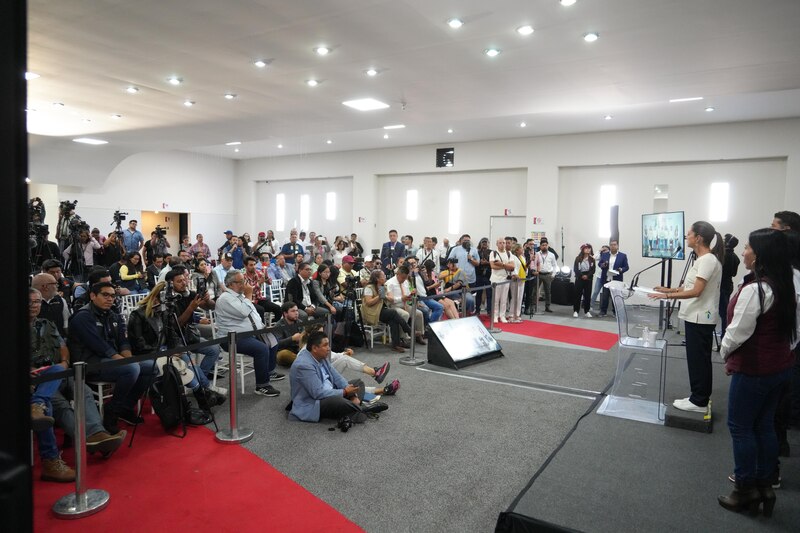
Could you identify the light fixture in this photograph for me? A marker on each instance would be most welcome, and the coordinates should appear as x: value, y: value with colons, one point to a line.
x: 566, y: 270
x: 236, y: 150
x: 329, y: 141
x: 260, y: 63
x: 116, y: 117
x: 156, y: 211
x: 174, y: 80
x: 709, y: 109
x: 455, y: 23
x: 233, y: 143
x: 58, y: 104
x: 567, y: 3
x: 525, y: 30
x: 188, y: 103
x: 591, y: 36
x: 280, y: 146
x: 31, y: 76
x: 27, y: 180
x: 607, y: 117
x: 395, y: 127
x: 522, y: 125
x: 449, y: 130
x: 366, y: 104
x: 88, y: 140
x: 492, y: 52
x: 689, y: 99
x: 86, y: 120
x: 385, y: 135
x: 371, y: 72
x: 312, y: 83
x: 131, y: 90
x: 230, y: 96
x: 322, y: 50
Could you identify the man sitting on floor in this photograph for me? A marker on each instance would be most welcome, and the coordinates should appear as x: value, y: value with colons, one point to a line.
x: 289, y: 335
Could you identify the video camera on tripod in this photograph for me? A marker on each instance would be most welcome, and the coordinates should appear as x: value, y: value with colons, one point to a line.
x: 161, y: 231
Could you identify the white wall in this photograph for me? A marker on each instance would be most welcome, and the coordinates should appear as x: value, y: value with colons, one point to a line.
x: 689, y: 185
x: 317, y: 190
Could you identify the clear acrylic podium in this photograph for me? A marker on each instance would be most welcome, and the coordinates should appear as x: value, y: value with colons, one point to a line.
x: 638, y: 389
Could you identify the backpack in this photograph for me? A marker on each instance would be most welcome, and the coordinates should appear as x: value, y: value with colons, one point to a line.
x: 168, y: 398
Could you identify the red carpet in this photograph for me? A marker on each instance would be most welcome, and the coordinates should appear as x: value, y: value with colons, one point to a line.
x: 567, y: 334
x: 193, y: 484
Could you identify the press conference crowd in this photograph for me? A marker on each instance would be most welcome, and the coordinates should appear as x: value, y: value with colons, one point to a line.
x: 246, y: 284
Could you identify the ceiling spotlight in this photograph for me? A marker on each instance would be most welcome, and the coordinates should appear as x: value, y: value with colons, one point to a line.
x: 567, y: 3
x: 88, y: 140
x: 591, y: 37
x: 522, y: 125
x: 366, y: 104
x: 385, y: 135
x: 607, y: 117
x: 492, y: 52
x: 322, y: 50
x: 233, y: 143
x: 312, y: 83
x: 188, y: 103
x: 116, y: 117
x: 235, y: 149
x: 525, y: 30
x: 31, y: 76
x: 280, y: 146
x: 58, y: 104
x: 689, y: 99
x: 27, y: 180
x: 395, y: 127
x: 230, y: 96
x: 449, y: 130
x: 174, y: 80
x: 709, y: 109
x: 455, y: 23
x: 132, y: 90
x: 371, y: 72
x: 329, y: 141
x: 260, y: 63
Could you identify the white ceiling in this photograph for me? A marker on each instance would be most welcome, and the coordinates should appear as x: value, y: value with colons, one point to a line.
x: 742, y: 56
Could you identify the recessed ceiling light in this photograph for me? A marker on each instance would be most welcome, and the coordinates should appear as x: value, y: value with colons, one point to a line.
x: 385, y: 135
x: 371, y: 72
x: 235, y: 149
x: 312, y: 83
x: 394, y: 127
x: 280, y: 146
x: 329, y: 141
x: 591, y: 37
x: 230, y: 96
x: 322, y: 50
x: 607, y: 117
x: 58, y: 104
x: 455, y: 23
x: 132, y: 90
x: 31, y: 76
x: 116, y: 117
x: 233, y: 143
x: 260, y: 63
x: 366, y: 104
x: 709, y: 109
x: 188, y: 103
x: 567, y: 3
x: 449, y: 130
x: 174, y: 80
x: 689, y: 99
x: 522, y: 125
x: 525, y: 30
x: 86, y: 120
x: 492, y: 52
x: 88, y: 140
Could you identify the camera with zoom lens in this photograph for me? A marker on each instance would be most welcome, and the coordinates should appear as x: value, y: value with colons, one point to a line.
x: 161, y: 231
x: 345, y: 423
x: 119, y: 217
x: 168, y: 295
x: 65, y: 207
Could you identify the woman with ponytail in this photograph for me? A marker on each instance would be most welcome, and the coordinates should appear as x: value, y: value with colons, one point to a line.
x: 700, y: 311
x: 757, y: 348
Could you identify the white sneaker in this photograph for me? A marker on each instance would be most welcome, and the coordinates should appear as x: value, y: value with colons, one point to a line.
x: 588, y: 314
x: 218, y: 390
x: 575, y: 314
x: 685, y: 405
x: 504, y: 320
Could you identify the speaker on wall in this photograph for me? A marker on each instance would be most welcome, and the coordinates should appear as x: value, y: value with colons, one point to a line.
x: 460, y: 342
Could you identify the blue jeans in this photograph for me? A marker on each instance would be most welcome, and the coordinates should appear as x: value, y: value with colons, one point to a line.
x: 264, y: 358
x: 598, y: 286
x: 751, y: 420
x: 199, y: 379
x: 435, y: 310
x: 48, y: 449
x: 479, y: 282
x: 130, y: 382
x: 210, y: 356
x: 65, y: 416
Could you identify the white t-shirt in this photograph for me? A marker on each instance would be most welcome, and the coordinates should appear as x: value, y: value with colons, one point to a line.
x: 499, y: 274
x: 703, y: 309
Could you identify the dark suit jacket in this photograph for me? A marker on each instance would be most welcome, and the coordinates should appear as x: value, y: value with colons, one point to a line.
x: 620, y: 265
x: 390, y: 257
x: 294, y: 292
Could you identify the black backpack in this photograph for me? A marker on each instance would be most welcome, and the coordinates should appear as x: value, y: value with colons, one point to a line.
x: 168, y: 398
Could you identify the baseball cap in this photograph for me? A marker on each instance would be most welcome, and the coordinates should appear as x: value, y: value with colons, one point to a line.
x: 348, y: 259
x: 228, y: 231
x: 262, y: 234
x: 368, y: 258
x: 228, y: 256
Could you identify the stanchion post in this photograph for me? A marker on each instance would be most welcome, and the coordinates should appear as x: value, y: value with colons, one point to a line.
x: 329, y: 325
x: 234, y: 435
x: 412, y: 360
x: 83, y: 502
x: 492, y: 327
x: 463, y: 302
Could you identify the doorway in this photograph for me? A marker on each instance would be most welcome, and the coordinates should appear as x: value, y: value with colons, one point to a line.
x: 175, y: 225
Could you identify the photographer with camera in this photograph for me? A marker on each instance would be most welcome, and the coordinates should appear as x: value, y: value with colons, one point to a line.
x: 64, y: 286
x: 82, y: 260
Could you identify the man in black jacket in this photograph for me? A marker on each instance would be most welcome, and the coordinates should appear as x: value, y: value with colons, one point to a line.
x: 298, y: 290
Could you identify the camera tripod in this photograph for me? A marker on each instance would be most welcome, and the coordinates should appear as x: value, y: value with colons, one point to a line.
x: 349, y: 307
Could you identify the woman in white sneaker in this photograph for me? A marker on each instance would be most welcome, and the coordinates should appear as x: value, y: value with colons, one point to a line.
x: 584, y: 268
x: 502, y: 266
x: 700, y: 311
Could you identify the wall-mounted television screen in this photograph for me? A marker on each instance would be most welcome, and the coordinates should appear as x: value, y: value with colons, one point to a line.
x: 662, y: 234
